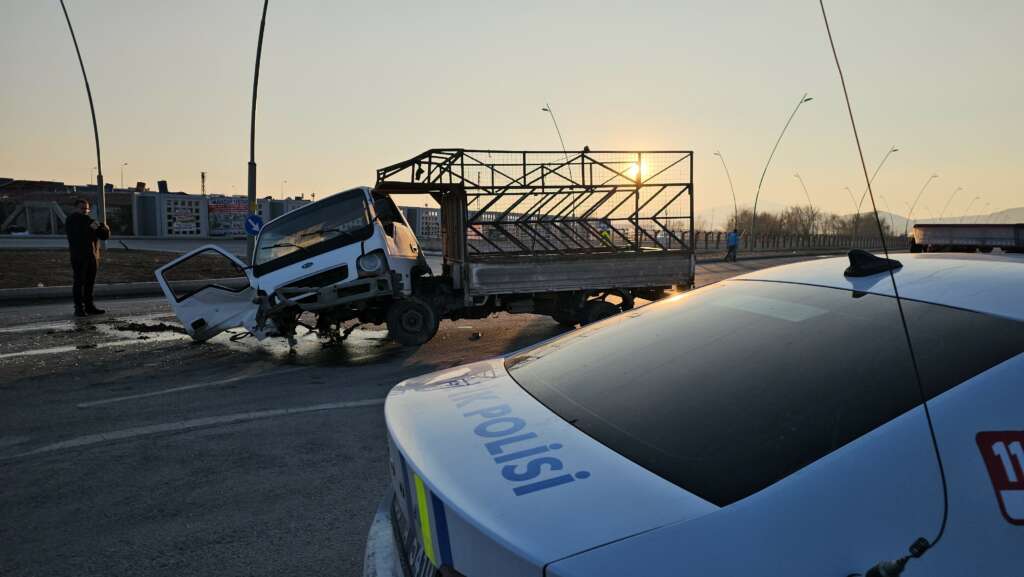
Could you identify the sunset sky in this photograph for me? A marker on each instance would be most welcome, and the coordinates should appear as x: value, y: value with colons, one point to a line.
x: 347, y: 87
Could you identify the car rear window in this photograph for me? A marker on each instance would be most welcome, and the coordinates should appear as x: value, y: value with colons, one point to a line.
x: 726, y: 390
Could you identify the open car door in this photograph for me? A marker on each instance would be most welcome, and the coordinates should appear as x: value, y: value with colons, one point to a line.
x: 210, y: 290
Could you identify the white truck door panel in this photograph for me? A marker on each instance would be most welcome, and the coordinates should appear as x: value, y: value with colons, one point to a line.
x: 223, y: 300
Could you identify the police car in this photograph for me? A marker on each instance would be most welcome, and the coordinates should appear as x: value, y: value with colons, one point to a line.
x: 771, y: 424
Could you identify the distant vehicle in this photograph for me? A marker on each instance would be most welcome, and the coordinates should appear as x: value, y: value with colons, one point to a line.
x: 967, y: 237
x: 770, y: 424
x: 578, y: 237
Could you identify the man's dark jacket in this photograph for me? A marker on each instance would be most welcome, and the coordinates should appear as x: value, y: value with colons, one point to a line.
x: 83, y: 241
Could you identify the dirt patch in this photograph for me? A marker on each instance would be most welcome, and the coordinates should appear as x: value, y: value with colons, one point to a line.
x: 52, y: 267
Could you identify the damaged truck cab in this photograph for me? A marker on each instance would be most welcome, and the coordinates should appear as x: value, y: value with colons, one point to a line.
x: 349, y: 256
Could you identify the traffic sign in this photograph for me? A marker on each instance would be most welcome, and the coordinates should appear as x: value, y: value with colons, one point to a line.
x: 253, y: 224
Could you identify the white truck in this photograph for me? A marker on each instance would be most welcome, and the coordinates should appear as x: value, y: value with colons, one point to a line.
x: 575, y: 236
x: 967, y: 237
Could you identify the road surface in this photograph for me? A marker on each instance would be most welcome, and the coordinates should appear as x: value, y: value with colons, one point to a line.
x: 126, y: 449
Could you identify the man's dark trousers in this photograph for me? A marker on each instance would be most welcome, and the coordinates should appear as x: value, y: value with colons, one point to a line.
x: 84, y: 268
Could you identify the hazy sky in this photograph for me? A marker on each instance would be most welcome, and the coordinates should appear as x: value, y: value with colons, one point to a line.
x: 347, y: 87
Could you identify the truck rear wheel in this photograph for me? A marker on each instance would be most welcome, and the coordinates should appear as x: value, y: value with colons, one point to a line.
x: 594, y: 311
x: 412, y: 322
x: 565, y: 319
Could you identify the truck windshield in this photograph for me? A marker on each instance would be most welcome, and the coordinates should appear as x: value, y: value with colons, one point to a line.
x: 728, y: 389
x: 320, y: 227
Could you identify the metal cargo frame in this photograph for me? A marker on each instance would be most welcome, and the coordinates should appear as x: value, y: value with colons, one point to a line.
x: 518, y: 221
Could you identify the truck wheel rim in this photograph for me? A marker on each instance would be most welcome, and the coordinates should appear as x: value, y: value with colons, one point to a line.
x: 412, y: 321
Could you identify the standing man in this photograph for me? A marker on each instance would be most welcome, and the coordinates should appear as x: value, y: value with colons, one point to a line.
x: 84, y: 236
x: 732, y: 240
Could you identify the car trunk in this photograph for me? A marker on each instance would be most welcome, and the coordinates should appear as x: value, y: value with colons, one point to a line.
x: 490, y: 482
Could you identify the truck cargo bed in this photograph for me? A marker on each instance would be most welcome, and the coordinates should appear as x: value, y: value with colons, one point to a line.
x: 579, y: 273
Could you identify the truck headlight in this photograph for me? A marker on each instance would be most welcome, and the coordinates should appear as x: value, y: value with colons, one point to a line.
x: 371, y: 263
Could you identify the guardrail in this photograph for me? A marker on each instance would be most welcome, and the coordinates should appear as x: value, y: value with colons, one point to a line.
x: 714, y: 241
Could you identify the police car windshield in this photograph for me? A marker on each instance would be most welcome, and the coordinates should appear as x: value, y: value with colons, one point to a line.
x: 729, y: 389
x: 336, y: 221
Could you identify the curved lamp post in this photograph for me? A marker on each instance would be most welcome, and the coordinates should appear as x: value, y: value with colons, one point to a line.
x: 931, y: 215
x: 968, y: 209
x: 797, y: 176
x: 251, y: 244
x: 735, y: 209
x: 887, y: 209
x: 551, y: 112
x: 984, y: 211
x: 856, y: 218
x: 943, y: 211
x: 917, y: 198
x: 757, y: 195
x: 101, y: 194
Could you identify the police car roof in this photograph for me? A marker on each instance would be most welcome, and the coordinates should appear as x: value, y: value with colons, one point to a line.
x: 991, y: 284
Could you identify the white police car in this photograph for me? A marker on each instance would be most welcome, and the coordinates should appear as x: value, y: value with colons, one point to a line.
x: 766, y: 425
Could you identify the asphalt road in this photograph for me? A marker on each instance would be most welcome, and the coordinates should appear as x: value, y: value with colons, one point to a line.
x: 126, y: 449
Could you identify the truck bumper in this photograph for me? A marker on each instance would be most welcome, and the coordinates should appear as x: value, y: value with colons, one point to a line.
x: 383, y: 554
x: 337, y: 294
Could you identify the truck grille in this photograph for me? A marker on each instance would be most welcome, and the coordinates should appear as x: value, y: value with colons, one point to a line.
x: 321, y: 279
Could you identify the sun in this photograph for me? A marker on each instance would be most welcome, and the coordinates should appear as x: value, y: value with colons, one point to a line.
x: 635, y: 170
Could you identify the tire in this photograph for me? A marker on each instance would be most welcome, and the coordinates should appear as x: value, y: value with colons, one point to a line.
x: 594, y: 311
x: 565, y: 319
x: 412, y: 322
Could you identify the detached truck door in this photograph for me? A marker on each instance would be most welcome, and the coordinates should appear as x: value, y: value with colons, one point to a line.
x: 210, y: 290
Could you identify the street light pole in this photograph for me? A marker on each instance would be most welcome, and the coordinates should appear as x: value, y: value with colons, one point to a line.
x: 250, y: 245
x: 757, y: 195
x: 735, y: 208
x: 931, y: 215
x: 984, y: 211
x: 856, y: 218
x: 547, y: 108
x: 917, y: 198
x: 101, y: 198
x: 969, y: 205
x: 943, y: 211
x: 283, y: 182
x: 551, y: 112
x: 808, y: 195
x: 889, y: 210
x: 852, y: 199
x: 123, y: 164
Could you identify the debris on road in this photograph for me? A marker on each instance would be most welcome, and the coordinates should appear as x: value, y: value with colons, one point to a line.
x: 148, y: 328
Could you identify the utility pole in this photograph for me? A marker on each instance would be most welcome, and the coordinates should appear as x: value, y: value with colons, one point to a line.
x: 101, y: 196
x: 202, y: 182
x: 251, y: 244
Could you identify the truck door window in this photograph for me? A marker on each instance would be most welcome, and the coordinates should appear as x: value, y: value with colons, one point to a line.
x: 387, y: 212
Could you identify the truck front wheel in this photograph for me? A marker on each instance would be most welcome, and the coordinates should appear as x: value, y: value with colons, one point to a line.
x: 412, y: 322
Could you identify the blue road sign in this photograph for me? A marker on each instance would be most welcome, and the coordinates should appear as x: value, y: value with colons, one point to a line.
x: 253, y: 224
